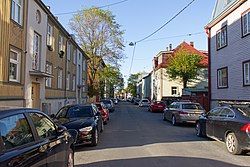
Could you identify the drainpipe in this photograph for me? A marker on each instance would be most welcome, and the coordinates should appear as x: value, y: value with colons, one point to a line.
x: 208, y: 32
x: 66, y: 71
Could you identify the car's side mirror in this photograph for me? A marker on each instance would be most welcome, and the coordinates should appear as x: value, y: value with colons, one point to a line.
x: 61, y: 130
x: 53, y: 116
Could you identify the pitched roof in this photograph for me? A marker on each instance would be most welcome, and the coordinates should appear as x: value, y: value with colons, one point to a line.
x: 191, y: 50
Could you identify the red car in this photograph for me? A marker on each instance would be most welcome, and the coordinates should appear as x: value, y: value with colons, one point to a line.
x: 105, y: 112
x: 157, y: 106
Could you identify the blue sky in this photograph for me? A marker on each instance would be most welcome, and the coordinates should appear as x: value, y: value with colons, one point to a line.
x: 140, y: 18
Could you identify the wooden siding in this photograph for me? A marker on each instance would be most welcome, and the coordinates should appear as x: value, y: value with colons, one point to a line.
x: 54, y: 93
x: 11, y: 91
x: 12, y: 35
x: 231, y: 56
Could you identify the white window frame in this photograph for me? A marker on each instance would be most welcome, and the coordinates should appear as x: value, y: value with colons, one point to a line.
x: 59, y: 78
x: 36, y: 52
x: 246, y: 23
x: 49, y: 35
x: 17, y: 11
x: 68, y: 81
x: 221, y: 37
x: 16, y: 62
x: 60, y: 43
x: 68, y: 51
x: 74, y: 82
x: 220, y: 78
x: 48, y: 80
x: 246, y: 73
x: 74, y: 56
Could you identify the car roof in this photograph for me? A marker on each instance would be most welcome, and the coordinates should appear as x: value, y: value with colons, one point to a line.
x: 10, y: 110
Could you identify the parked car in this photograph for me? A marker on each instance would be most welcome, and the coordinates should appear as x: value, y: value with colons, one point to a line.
x: 28, y: 137
x: 229, y: 124
x: 144, y: 103
x: 137, y: 101
x: 109, y: 104
x: 85, y: 119
x: 104, y: 110
x: 157, y: 106
x: 183, y: 112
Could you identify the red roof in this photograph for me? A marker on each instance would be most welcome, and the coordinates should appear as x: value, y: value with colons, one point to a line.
x: 191, y: 50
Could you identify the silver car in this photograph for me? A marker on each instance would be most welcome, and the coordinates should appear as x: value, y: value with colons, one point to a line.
x: 181, y: 112
x: 144, y: 103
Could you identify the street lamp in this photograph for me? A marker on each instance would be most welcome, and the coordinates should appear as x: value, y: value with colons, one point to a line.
x: 132, y: 44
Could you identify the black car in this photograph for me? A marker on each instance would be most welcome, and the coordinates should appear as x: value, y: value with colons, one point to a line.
x: 86, y: 119
x: 29, y: 137
x: 109, y: 104
x: 230, y: 124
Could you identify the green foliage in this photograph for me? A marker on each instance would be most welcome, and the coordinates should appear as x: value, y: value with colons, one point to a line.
x: 184, y: 66
x: 100, y: 37
x: 132, y: 84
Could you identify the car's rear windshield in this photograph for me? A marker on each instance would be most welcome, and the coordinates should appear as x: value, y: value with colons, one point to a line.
x: 144, y: 100
x: 106, y: 101
x: 192, y: 106
x: 159, y: 102
x: 79, y: 111
x: 244, y: 110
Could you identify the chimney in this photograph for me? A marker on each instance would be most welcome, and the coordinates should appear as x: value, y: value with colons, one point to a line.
x: 192, y: 44
x: 166, y: 48
x: 170, y: 47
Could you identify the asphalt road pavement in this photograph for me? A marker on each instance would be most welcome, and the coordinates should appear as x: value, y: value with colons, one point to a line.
x: 135, y: 137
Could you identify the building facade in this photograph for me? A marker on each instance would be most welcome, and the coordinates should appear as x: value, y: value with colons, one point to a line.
x: 229, y: 65
x: 52, y: 72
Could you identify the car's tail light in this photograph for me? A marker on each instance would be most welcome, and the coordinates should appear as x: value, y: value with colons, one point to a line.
x: 246, y: 127
x: 183, y: 112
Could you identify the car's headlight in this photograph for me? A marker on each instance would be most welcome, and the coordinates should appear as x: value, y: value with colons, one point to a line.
x: 86, y: 129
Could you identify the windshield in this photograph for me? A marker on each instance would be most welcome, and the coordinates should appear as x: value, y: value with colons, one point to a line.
x: 144, y: 100
x: 192, y: 106
x: 79, y: 111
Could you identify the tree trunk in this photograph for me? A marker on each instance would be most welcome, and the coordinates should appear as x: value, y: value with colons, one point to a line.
x: 184, y: 83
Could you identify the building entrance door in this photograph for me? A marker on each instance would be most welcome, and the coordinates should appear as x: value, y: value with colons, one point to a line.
x: 35, y: 95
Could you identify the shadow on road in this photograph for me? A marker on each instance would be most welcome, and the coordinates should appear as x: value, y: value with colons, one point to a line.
x: 165, y: 161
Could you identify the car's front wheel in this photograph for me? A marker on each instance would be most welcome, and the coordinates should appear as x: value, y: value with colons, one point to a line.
x: 94, y: 140
x: 232, y: 144
x: 70, y: 158
x: 173, y: 120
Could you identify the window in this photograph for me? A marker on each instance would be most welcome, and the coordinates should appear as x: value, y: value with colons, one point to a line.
x: 15, y: 66
x: 36, y: 52
x: 221, y: 37
x: 174, y: 90
x: 84, y: 65
x: 68, y: 79
x: 68, y: 51
x: 44, y: 127
x: 74, y: 56
x: 59, y: 78
x: 17, y: 11
x: 245, y: 23
x: 214, y: 112
x: 48, y: 80
x: 222, y: 78
x: 49, y: 35
x: 15, y: 131
x: 60, y: 43
x: 246, y: 73
x: 74, y: 83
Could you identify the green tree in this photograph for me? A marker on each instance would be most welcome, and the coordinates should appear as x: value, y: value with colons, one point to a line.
x: 184, y: 66
x: 132, y: 84
x: 101, y: 39
x: 113, y: 77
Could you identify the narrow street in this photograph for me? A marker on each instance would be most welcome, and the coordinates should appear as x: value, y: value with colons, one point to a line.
x: 136, y: 137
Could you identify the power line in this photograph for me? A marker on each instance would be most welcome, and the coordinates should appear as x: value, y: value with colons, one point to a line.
x: 167, y: 22
x: 94, y: 8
